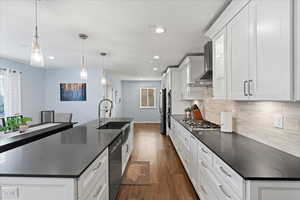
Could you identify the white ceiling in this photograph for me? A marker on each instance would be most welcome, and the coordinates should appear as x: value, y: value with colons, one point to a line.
x: 118, y: 27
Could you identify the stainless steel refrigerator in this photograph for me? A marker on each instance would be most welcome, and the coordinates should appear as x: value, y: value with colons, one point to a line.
x: 163, y: 110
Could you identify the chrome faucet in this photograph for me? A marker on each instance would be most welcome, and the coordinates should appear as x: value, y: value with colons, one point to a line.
x: 106, y: 109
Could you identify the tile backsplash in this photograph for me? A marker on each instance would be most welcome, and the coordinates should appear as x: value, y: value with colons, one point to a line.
x: 256, y: 120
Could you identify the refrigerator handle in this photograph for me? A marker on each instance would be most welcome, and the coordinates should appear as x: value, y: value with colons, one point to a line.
x: 159, y: 102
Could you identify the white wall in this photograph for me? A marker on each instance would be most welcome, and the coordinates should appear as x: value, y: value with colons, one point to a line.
x: 32, y: 88
x: 131, y: 101
x: 83, y: 111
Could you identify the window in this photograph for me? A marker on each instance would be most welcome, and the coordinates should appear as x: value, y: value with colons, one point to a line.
x: 147, y: 97
x: 10, y: 92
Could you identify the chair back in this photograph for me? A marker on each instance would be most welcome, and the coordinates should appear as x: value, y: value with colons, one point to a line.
x: 47, y: 116
x: 63, y: 117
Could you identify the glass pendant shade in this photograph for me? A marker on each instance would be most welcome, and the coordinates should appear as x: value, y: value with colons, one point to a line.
x: 83, y: 65
x: 83, y: 74
x: 37, y: 58
x: 103, y: 81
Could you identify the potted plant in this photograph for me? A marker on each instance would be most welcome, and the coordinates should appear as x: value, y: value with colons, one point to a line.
x: 12, y: 123
x: 3, y: 129
x: 22, y: 123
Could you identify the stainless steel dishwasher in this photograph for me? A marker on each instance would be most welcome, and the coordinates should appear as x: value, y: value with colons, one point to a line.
x: 115, y: 167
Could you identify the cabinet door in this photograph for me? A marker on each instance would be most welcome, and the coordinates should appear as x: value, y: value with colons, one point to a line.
x: 219, y: 65
x: 238, y: 48
x: 184, y: 80
x: 194, y: 172
x: 297, y: 49
x: 28, y: 188
x: 272, y: 190
x: 271, y: 78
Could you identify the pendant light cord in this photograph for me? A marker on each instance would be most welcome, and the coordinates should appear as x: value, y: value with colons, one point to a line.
x: 36, y: 19
x: 82, y: 54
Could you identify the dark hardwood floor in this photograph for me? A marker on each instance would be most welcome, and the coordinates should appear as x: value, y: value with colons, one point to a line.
x: 168, y: 178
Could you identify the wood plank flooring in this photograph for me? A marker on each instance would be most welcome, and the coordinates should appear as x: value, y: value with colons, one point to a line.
x: 168, y: 178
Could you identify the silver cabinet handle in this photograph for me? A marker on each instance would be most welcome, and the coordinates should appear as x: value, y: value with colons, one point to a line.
x: 249, y: 87
x: 225, y: 172
x: 204, y: 150
x: 203, y: 164
x: 245, y: 84
x: 224, y: 192
x: 99, y: 191
x: 97, y: 167
x: 203, y: 189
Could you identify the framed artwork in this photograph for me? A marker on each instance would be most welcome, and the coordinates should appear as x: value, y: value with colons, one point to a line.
x: 73, y: 92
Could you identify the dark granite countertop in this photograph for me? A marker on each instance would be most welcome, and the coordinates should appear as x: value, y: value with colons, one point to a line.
x: 250, y: 159
x: 66, y: 154
x: 13, y: 142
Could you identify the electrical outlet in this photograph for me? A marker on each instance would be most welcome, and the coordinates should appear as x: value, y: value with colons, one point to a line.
x: 9, y: 192
x: 278, y: 121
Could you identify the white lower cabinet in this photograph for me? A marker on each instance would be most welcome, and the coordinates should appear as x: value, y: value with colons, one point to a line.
x: 193, y: 166
x: 93, y: 184
x: 94, y: 177
x: 127, y: 148
x: 297, y: 48
x: 273, y: 190
x: 21, y: 188
x: 213, y: 179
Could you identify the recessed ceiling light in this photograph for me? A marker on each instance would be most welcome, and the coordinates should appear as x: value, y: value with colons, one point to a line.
x: 156, y: 57
x: 159, y: 30
x: 155, y: 68
x: 51, y: 57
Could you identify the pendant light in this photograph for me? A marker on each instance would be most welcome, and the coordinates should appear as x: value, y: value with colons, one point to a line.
x: 37, y: 58
x: 83, y: 70
x: 103, y: 79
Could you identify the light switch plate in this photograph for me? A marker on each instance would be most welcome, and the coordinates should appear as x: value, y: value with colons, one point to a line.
x: 9, y: 193
x: 278, y: 121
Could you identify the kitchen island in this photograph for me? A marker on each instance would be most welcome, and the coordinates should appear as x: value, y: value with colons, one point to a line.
x: 69, y: 165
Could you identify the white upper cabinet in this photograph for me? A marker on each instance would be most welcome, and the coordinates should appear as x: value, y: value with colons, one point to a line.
x: 238, y: 56
x: 191, y: 68
x: 297, y: 49
x: 259, y: 51
x: 219, y: 65
x: 164, y: 80
x: 271, y: 76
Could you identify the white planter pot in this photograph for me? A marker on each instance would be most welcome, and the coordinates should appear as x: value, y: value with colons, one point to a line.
x: 23, y: 128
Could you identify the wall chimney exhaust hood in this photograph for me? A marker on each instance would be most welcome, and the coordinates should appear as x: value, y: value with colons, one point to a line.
x: 205, y: 78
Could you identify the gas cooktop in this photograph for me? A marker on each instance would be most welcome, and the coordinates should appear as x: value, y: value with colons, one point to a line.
x: 198, y: 125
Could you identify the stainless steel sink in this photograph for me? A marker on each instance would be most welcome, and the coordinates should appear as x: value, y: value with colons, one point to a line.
x: 113, y: 125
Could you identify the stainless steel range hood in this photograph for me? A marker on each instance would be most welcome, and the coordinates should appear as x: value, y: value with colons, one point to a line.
x: 205, y: 79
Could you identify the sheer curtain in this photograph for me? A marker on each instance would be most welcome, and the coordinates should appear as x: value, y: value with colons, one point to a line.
x: 11, y: 91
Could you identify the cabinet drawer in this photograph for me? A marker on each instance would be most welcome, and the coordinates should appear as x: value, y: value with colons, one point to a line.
x: 204, y: 190
x: 92, y: 174
x: 228, y: 176
x: 218, y: 190
x: 205, y: 154
x: 221, y: 191
x: 100, y: 191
